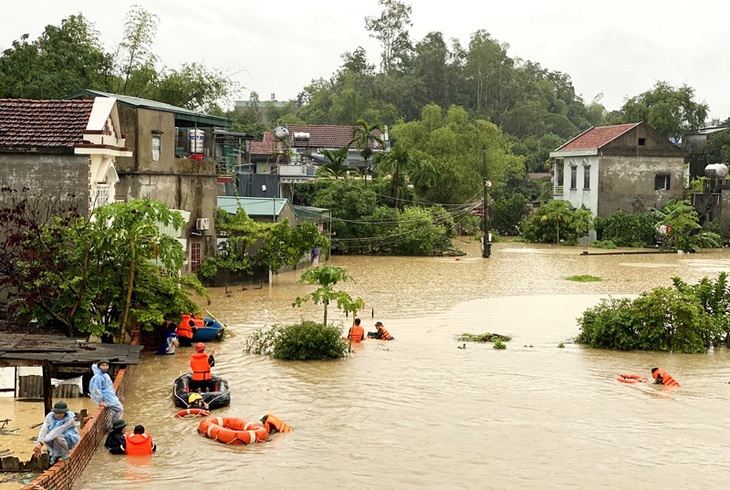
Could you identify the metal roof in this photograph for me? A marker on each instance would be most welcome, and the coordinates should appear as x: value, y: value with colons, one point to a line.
x: 253, y: 206
x: 17, y: 349
x: 311, y: 213
x: 181, y: 113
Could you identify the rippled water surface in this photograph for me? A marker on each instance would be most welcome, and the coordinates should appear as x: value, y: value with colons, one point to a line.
x: 418, y: 412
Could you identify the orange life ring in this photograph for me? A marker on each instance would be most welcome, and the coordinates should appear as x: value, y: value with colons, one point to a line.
x: 192, y: 412
x: 233, y: 431
x: 631, y: 378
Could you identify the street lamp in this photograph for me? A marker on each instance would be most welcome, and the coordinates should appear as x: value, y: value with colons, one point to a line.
x: 487, y: 247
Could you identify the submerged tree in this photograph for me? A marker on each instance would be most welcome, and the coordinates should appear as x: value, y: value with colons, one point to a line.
x: 326, y: 277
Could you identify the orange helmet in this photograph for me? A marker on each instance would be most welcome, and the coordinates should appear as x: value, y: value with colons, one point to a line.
x: 199, y: 347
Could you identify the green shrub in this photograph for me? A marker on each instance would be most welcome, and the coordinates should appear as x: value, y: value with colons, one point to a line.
x: 483, y: 337
x: 557, y: 222
x: 627, y: 230
x: 498, y: 344
x: 305, y: 341
x: 584, y: 278
x: 606, y: 244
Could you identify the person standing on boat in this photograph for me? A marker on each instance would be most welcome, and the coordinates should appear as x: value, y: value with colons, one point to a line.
x: 185, y: 331
x: 662, y: 377
x: 101, y: 390
x: 170, y: 342
x: 381, y: 334
x: 58, y: 433
x: 356, y: 333
x: 201, y: 363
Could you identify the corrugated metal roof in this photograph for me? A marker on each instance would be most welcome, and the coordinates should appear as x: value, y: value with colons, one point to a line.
x: 63, y: 350
x: 180, y: 112
x: 311, y: 213
x: 253, y: 206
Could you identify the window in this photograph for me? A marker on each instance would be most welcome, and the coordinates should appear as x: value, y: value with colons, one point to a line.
x: 194, y: 257
x: 155, y: 147
x: 586, y: 177
x: 102, y: 195
x: 661, y: 182
x: 573, y: 177
x: 642, y: 141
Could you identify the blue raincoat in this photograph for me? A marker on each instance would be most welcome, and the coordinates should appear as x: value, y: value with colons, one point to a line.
x: 101, y: 389
x: 59, y: 435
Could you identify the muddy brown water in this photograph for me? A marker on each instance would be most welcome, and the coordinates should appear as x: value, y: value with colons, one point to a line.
x: 419, y: 412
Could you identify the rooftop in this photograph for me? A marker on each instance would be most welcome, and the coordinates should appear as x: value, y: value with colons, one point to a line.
x: 596, y: 137
x: 43, y: 123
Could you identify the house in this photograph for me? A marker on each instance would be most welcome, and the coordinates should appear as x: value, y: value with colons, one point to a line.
x: 627, y: 167
x: 294, y: 158
x: 67, y: 147
x: 176, y: 160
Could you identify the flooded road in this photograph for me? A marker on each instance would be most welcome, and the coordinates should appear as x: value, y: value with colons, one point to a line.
x: 418, y: 412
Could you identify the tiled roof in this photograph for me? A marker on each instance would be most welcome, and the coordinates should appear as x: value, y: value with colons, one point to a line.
x: 43, y: 123
x: 596, y: 137
x: 264, y: 147
x: 323, y: 136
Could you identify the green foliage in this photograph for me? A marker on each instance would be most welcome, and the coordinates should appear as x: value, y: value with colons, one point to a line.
x: 718, y: 147
x: 326, y: 277
x: 670, y: 111
x: 584, y: 278
x: 627, y: 230
x: 336, y: 167
x: 498, y: 344
x: 561, y: 345
x: 556, y: 222
x: 508, y: 213
x: 607, y: 244
x: 685, y: 319
x: 483, y: 337
x: 305, y: 341
x: 685, y: 232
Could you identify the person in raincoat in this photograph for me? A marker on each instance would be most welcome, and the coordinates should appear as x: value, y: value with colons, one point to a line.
x: 102, y: 391
x: 58, y: 433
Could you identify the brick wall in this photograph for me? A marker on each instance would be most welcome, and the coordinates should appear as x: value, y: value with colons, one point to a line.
x: 63, y: 474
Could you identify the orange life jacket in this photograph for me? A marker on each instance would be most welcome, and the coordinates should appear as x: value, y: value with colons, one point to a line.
x: 667, y: 379
x: 199, y: 365
x: 384, y: 335
x: 357, y: 333
x: 138, y: 444
x: 184, y: 329
x: 275, y: 424
x: 199, y: 322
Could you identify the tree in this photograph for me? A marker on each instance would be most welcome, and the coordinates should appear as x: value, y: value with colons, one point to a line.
x: 195, y: 87
x: 684, y: 230
x: 336, y: 166
x: 62, y: 61
x: 397, y: 163
x: 556, y: 221
x: 134, y: 54
x: 326, y: 277
x: 365, y: 138
x: 670, y: 111
x: 391, y: 29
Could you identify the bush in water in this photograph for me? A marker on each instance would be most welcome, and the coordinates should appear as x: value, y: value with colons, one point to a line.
x: 305, y: 341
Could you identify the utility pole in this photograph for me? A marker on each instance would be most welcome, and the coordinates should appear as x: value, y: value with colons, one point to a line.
x: 487, y: 247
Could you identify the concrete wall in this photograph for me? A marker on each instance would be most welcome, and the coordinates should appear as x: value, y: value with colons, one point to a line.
x: 47, y: 173
x: 626, y: 183
x: 180, y: 183
x: 580, y: 196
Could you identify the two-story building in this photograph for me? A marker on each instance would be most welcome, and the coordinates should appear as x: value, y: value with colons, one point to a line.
x: 626, y: 167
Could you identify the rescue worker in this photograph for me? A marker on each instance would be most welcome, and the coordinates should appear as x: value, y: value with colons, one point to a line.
x: 201, y: 363
x: 139, y: 443
x: 116, y: 439
x: 662, y: 377
x: 101, y: 390
x: 195, y: 400
x: 58, y: 433
x: 274, y: 424
x: 381, y: 334
x: 185, y: 331
x: 356, y: 333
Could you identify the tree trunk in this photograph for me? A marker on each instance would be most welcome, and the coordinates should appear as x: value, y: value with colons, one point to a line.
x: 128, y: 300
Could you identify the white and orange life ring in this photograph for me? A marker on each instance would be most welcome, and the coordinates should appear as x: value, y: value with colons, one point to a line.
x: 233, y: 431
x: 631, y: 378
x: 192, y: 412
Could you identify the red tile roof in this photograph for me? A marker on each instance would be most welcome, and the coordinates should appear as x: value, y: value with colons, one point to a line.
x: 43, y: 123
x: 323, y: 136
x: 596, y: 137
x: 264, y: 147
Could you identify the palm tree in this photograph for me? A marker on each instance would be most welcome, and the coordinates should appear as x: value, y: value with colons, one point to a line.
x: 365, y: 138
x: 397, y: 162
x: 336, y: 168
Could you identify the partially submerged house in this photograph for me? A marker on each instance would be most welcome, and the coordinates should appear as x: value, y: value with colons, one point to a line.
x: 626, y: 167
x: 62, y: 147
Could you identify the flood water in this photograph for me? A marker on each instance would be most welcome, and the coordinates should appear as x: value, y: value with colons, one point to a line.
x: 419, y: 412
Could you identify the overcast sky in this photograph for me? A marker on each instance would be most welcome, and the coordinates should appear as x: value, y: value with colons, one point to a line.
x: 616, y: 49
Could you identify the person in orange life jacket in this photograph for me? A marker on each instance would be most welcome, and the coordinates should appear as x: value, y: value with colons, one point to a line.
x: 116, y: 439
x: 381, y: 334
x: 201, y: 363
x: 662, y: 377
x: 186, y: 330
x: 195, y: 400
x: 356, y: 333
x: 139, y: 443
